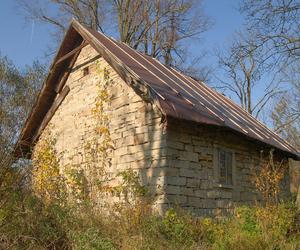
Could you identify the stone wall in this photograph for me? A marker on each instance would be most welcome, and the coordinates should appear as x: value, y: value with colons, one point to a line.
x: 192, y: 180
x: 176, y: 162
x: 135, y: 128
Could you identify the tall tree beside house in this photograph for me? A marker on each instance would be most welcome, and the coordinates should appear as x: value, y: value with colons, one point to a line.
x: 159, y: 28
x: 275, y: 27
x: 260, y: 57
x: 243, y: 73
x: 286, y: 111
x: 18, y: 90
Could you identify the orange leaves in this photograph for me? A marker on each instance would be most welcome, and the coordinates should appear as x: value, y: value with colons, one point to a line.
x: 267, y: 179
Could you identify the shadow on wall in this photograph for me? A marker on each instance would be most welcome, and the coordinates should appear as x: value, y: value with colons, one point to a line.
x: 140, y: 143
x: 126, y: 133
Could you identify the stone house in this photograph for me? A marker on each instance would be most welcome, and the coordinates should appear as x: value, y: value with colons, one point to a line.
x: 192, y: 146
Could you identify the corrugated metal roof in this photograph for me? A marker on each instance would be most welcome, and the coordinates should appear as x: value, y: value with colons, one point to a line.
x: 177, y: 95
x: 182, y: 97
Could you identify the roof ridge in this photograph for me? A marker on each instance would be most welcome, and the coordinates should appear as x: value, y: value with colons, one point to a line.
x: 154, y: 81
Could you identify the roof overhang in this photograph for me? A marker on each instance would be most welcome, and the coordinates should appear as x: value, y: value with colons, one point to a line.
x: 159, y: 91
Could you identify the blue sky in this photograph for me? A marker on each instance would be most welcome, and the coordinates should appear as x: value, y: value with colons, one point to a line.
x: 24, y: 41
x: 17, y: 41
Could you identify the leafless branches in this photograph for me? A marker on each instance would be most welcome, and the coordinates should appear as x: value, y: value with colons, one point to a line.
x: 159, y: 28
x: 286, y: 112
x: 244, y: 70
x: 275, y: 25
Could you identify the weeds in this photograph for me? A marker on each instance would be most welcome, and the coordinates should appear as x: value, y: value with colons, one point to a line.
x: 28, y: 223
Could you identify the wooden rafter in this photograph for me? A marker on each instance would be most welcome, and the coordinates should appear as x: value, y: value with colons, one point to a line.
x: 66, y: 74
x: 72, y: 52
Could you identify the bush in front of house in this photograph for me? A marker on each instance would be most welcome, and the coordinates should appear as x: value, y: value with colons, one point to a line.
x: 28, y: 223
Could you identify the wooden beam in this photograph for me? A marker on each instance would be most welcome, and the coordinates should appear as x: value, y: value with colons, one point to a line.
x: 63, y: 79
x: 66, y: 74
x: 51, y: 112
x: 72, y: 52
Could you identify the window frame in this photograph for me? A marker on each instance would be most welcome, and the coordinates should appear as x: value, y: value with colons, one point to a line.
x: 217, y: 169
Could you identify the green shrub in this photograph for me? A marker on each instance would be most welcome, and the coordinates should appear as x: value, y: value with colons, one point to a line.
x: 90, y: 239
x: 177, y: 229
x: 28, y: 223
x: 275, y: 227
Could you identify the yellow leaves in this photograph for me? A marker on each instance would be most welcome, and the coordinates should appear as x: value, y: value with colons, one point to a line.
x: 207, y: 222
x: 98, y: 146
x: 130, y: 189
x: 47, y: 182
x: 77, y: 183
x: 103, y: 95
x: 51, y: 183
x: 267, y: 179
x: 102, y: 130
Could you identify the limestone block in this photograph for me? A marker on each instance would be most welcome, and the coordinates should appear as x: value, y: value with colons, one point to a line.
x: 172, y: 171
x: 194, y: 201
x: 200, y: 193
x: 175, y: 144
x: 187, y: 172
x: 176, y: 199
x: 213, y: 194
x: 187, y: 191
x: 191, y: 182
x: 172, y: 189
x: 188, y: 147
x: 226, y: 194
x: 209, y: 203
x: 178, y: 181
x: 176, y: 163
x: 189, y: 156
x: 205, y: 184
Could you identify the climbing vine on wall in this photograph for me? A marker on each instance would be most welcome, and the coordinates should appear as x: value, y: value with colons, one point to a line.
x: 90, y: 177
x: 47, y: 181
x: 98, y: 147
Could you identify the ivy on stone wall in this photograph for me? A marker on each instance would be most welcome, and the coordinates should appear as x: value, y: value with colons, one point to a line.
x: 90, y: 179
x: 47, y: 181
x: 98, y: 147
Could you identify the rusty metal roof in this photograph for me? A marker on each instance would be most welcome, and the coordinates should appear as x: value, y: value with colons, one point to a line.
x: 178, y: 95
x: 182, y: 97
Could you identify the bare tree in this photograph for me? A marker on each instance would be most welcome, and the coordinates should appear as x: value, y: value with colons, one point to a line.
x: 286, y: 112
x: 59, y: 12
x: 275, y: 25
x: 158, y: 28
x: 243, y: 72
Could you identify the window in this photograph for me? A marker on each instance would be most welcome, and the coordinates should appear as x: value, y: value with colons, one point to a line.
x: 225, y: 165
x: 86, y: 71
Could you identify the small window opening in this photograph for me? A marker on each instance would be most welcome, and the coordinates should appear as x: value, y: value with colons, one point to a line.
x: 225, y: 167
x: 86, y: 71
